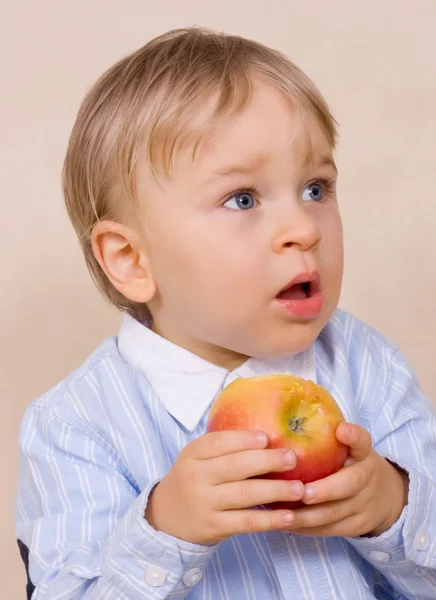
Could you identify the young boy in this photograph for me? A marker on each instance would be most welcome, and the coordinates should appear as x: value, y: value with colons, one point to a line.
x: 200, y: 179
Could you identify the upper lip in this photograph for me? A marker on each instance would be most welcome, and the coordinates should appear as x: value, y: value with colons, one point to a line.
x: 311, y: 277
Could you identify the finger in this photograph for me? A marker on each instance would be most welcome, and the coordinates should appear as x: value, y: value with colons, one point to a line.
x: 357, y: 438
x: 254, y: 520
x: 321, y: 515
x: 250, y: 463
x: 349, y: 527
x: 255, y: 492
x: 343, y: 484
x: 211, y: 445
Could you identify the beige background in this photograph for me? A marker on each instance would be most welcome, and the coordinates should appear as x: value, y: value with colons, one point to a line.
x: 375, y: 61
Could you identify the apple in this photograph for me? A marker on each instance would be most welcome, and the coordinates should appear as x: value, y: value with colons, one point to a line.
x: 295, y: 413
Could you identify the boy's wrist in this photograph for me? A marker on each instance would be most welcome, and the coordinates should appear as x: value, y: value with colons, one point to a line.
x: 150, y: 509
x: 399, y: 495
x: 159, y: 506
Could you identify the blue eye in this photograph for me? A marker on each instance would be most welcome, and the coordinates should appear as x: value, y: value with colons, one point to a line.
x: 241, y: 201
x: 313, y: 192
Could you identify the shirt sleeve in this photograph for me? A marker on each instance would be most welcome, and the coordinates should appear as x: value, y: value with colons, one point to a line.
x: 83, y: 521
x: 404, y: 432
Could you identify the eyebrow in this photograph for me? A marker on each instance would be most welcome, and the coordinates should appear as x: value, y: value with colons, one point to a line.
x: 325, y: 161
x: 247, y: 167
x: 254, y: 163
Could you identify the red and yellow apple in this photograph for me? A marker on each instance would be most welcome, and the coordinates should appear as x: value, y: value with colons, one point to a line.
x: 295, y: 413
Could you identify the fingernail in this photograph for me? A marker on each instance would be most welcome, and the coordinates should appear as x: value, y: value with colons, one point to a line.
x: 296, y: 488
x: 290, y: 458
x: 309, y: 492
x: 347, y: 430
x: 261, y: 438
x: 288, y: 518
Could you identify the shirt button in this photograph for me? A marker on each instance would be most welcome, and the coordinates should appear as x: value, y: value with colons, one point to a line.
x: 155, y: 576
x: 192, y: 577
x: 379, y: 556
x: 422, y: 540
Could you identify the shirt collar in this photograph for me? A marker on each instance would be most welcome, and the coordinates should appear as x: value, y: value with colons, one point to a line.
x: 187, y: 384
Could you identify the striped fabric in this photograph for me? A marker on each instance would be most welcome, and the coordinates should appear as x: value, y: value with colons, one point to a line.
x: 92, y: 448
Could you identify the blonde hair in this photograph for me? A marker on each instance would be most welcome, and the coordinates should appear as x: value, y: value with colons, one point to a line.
x: 148, y: 101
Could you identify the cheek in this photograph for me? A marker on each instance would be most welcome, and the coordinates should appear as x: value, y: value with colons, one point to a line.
x: 330, y: 225
x: 215, y: 261
x: 332, y: 250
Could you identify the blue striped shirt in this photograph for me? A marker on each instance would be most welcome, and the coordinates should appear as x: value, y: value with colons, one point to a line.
x: 92, y: 448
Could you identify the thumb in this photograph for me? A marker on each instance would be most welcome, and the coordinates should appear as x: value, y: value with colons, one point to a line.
x: 356, y: 438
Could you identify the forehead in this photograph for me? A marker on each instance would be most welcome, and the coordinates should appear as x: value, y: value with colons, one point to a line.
x: 271, y: 126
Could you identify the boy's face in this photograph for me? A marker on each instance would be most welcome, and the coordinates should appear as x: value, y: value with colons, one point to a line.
x: 236, y: 226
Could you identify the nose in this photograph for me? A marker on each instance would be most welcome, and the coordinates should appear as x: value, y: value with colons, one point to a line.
x: 296, y: 228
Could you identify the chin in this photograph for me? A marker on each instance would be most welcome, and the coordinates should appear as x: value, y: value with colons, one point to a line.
x: 296, y: 337
x: 275, y: 338
x: 298, y: 344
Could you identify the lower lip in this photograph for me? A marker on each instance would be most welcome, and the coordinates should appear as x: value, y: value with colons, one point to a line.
x: 307, y: 308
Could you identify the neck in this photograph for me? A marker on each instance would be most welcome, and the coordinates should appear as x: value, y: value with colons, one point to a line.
x: 216, y: 355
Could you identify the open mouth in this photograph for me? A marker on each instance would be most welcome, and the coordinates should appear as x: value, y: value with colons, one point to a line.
x: 300, y: 291
x: 302, y: 297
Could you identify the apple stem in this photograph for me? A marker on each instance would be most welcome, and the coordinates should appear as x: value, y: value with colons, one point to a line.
x: 296, y: 425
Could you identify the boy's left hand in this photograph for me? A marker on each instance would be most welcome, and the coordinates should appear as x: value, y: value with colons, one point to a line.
x: 366, y: 497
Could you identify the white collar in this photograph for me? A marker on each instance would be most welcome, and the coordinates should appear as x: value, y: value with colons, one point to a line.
x: 187, y: 384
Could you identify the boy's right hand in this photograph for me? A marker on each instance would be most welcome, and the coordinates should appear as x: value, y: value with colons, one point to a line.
x: 208, y: 495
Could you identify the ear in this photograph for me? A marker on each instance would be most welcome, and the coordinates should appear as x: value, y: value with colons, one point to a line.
x: 122, y: 256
